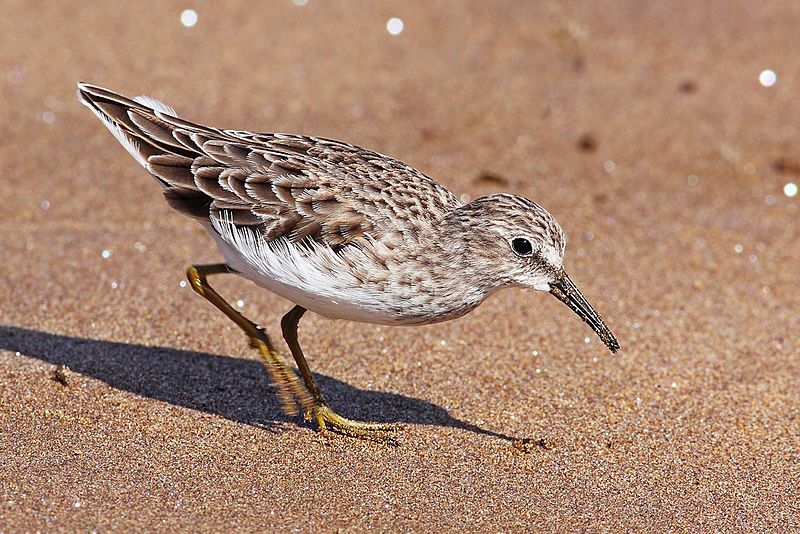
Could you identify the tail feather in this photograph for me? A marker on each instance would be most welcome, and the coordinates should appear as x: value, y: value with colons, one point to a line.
x: 158, y: 140
x: 143, y: 122
x: 94, y: 98
x: 155, y: 105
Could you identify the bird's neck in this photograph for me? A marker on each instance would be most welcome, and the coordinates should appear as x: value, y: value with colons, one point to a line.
x: 470, y: 252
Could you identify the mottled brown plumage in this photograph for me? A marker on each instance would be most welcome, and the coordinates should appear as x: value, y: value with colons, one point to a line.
x: 285, y: 185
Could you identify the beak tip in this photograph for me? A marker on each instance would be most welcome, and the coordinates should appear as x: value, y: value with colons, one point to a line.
x: 611, y: 342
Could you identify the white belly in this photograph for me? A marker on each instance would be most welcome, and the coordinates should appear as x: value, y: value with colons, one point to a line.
x: 321, y: 281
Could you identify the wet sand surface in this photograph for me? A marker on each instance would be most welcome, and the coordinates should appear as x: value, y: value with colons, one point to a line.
x: 643, y: 128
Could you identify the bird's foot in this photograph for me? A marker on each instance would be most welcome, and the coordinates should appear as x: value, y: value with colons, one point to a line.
x: 324, y: 417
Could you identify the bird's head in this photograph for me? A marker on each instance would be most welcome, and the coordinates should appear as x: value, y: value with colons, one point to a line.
x: 517, y: 243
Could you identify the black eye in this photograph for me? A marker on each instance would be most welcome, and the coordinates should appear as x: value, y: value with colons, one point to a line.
x: 521, y: 246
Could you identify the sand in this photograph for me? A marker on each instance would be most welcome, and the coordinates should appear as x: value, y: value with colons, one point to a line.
x: 643, y: 128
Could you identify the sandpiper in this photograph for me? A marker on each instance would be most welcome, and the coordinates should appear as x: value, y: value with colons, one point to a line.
x: 340, y: 230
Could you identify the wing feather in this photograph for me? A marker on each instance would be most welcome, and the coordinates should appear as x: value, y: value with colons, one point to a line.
x: 298, y: 187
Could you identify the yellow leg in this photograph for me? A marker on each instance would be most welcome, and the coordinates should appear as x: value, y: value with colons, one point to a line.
x: 319, y: 411
x: 292, y: 393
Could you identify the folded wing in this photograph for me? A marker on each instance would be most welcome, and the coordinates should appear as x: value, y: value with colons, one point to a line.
x: 284, y: 185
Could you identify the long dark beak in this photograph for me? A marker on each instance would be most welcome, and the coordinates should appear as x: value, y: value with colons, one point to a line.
x: 565, y: 291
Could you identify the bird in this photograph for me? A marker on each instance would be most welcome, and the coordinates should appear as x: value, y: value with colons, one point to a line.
x: 340, y: 230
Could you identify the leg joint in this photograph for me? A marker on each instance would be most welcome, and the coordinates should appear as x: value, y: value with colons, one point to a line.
x: 289, y: 323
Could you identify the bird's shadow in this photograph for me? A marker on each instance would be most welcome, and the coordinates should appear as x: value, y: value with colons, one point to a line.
x: 235, y: 388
